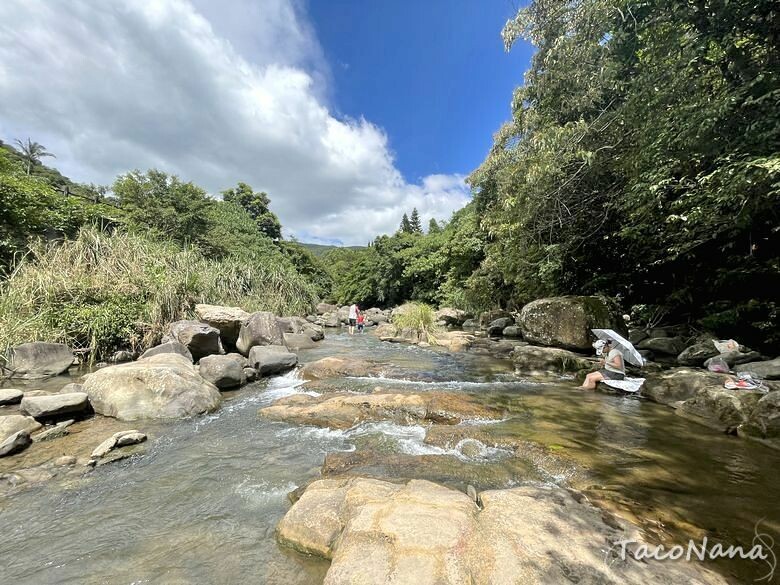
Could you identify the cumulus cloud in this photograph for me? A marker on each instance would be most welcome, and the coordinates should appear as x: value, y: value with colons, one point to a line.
x: 216, y: 93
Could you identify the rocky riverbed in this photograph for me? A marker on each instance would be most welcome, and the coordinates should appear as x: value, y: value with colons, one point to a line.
x: 469, y: 442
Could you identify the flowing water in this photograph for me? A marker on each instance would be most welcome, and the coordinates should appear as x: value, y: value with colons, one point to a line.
x: 202, y: 502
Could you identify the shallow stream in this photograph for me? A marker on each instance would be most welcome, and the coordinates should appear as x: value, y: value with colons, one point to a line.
x: 201, y: 504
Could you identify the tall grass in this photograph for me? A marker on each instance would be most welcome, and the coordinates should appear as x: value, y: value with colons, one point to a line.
x: 418, y: 319
x: 109, y: 290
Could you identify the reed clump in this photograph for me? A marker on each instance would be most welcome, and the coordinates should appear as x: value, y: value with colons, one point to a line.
x: 106, y: 291
x: 416, y: 320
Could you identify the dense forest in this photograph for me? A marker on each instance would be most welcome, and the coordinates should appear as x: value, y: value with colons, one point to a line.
x: 641, y: 161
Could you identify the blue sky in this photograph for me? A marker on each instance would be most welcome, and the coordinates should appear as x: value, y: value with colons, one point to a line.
x: 347, y: 113
x: 432, y: 73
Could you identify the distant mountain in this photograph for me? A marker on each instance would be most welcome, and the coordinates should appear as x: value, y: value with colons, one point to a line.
x: 322, y: 249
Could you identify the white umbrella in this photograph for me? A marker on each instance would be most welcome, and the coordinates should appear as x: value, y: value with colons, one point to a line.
x: 624, y: 345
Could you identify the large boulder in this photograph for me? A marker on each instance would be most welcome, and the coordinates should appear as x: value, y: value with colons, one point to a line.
x: 227, y: 319
x: 333, y: 367
x: 535, y: 360
x: 735, y: 358
x: 512, y: 331
x: 12, y: 423
x: 169, y: 347
x: 719, y: 408
x: 663, y: 345
x: 342, y: 411
x: 768, y: 370
x: 298, y: 341
x: 224, y: 371
x: 300, y: 326
x: 566, y: 321
x: 378, y: 532
x: 764, y: 420
x: 697, y: 354
x: 199, y: 338
x: 37, y: 360
x: 450, y: 316
x: 164, y: 386
x: 55, y: 405
x: 678, y: 384
x: 272, y: 359
x: 262, y: 328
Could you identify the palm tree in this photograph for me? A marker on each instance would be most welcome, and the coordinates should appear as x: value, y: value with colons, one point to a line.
x: 32, y: 152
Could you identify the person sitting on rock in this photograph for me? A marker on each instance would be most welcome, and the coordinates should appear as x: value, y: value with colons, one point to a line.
x: 614, y: 367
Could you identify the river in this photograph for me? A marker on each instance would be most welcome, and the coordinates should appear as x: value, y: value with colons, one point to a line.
x: 202, y: 503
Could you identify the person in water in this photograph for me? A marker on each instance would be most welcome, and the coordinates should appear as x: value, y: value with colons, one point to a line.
x: 354, y: 311
x: 361, y: 322
x: 614, y: 365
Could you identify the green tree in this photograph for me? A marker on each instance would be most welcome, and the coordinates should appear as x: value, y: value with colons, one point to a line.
x: 406, y: 226
x: 433, y: 226
x: 166, y: 206
x: 32, y: 153
x: 257, y: 205
x: 414, y: 222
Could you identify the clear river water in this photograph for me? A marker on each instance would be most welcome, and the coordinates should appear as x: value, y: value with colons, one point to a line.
x: 201, y: 504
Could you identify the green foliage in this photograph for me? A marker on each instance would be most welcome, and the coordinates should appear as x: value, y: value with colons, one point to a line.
x: 310, y: 267
x: 107, y: 291
x: 257, y: 206
x: 642, y: 156
x: 165, y: 206
x: 418, y: 319
x: 30, y: 207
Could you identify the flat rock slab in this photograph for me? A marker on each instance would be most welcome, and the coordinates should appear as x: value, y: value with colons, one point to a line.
x: 227, y: 319
x: 343, y: 411
x: 338, y: 366
x: 55, y: 405
x: 376, y: 532
x: 56, y: 432
x: 38, y: 360
x: 10, y: 396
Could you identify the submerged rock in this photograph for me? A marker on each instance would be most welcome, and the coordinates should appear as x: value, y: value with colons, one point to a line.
x: 118, y: 440
x: 342, y: 411
x: 38, y: 360
x: 162, y: 386
x: 566, y: 321
x: 331, y: 367
x: 56, y: 432
x: 420, y: 532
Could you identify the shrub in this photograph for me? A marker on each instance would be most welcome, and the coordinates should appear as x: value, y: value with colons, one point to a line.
x: 418, y: 318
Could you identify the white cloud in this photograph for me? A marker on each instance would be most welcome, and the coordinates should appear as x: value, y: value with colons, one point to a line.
x: 216, y: 93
